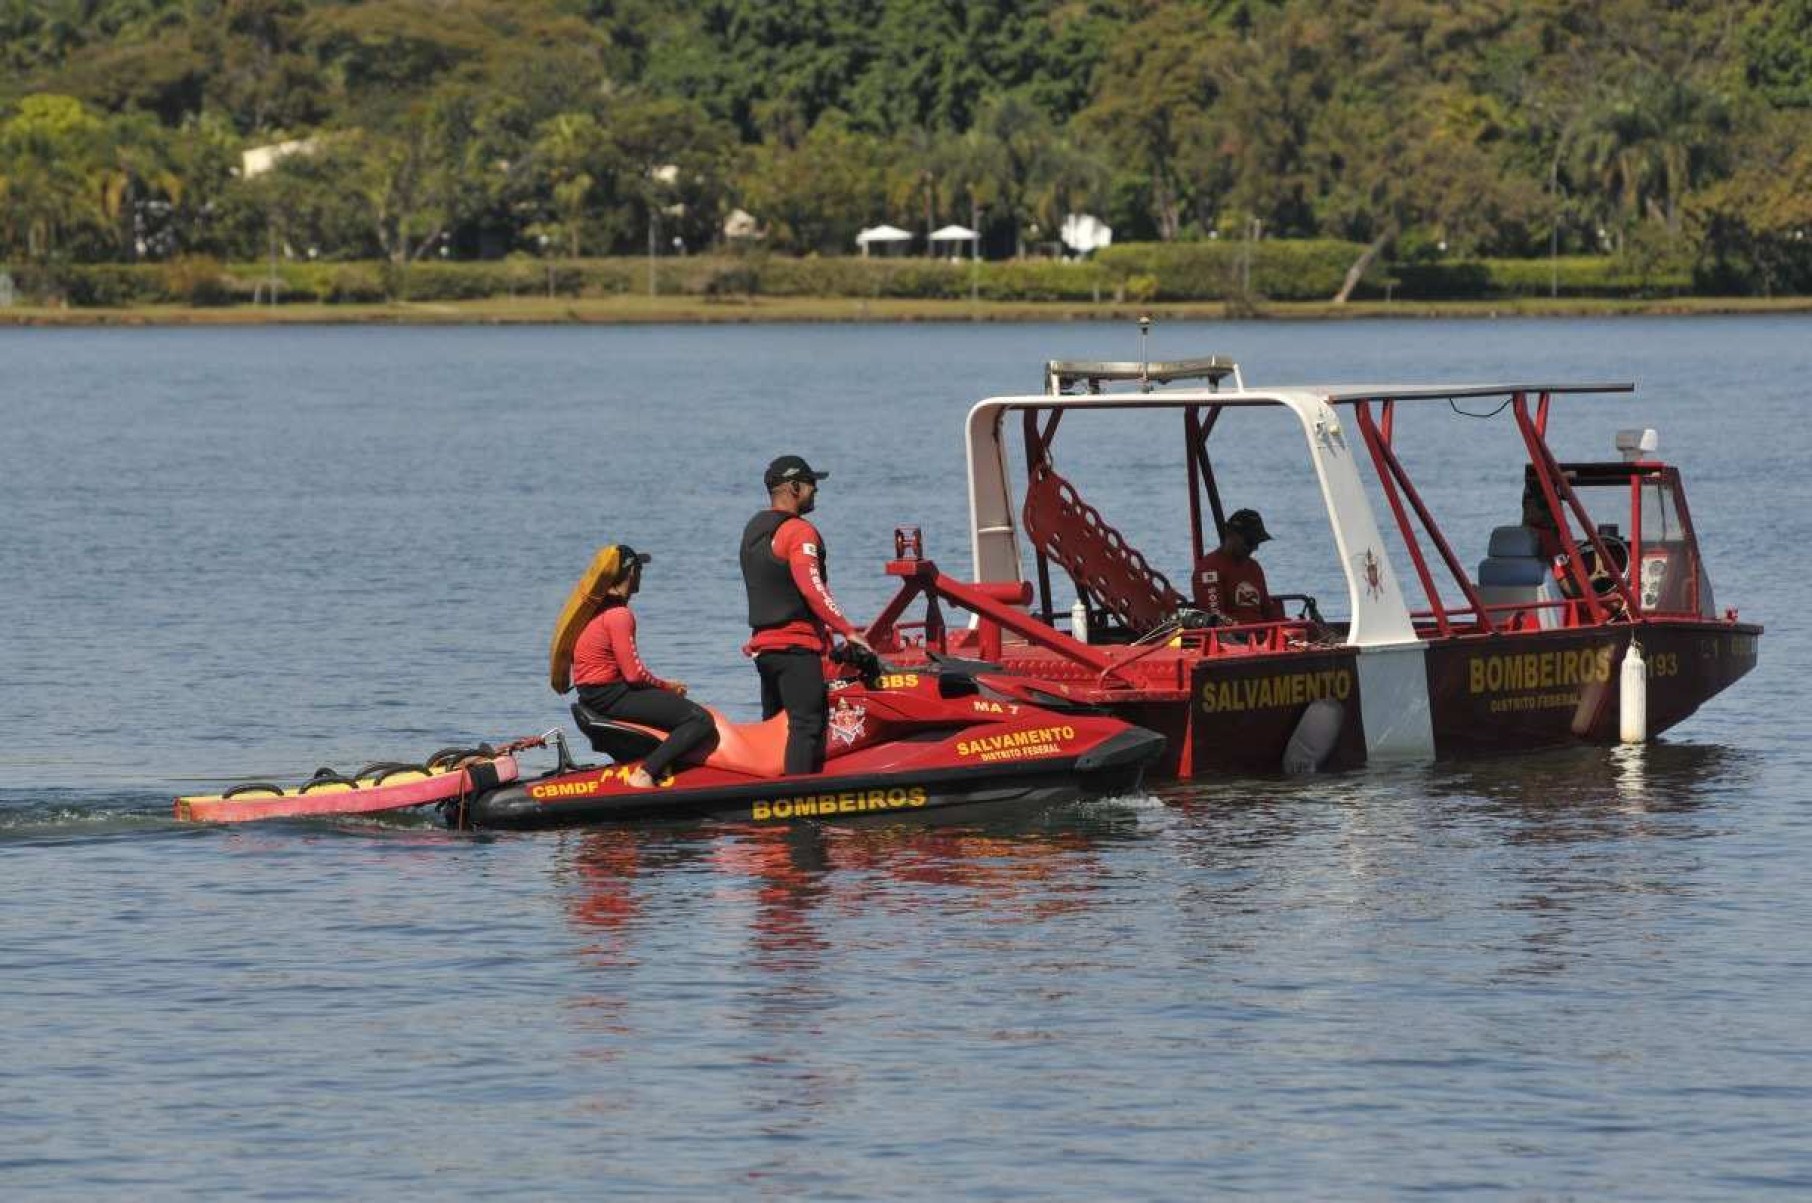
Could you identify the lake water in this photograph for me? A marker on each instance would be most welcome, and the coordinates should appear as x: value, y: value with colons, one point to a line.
x: 248, y: 553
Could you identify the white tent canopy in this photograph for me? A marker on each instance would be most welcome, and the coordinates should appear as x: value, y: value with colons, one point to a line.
x: 881, y: 235
x: 950, y: 240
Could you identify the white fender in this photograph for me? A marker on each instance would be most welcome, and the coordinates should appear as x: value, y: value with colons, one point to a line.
x: 1632, y: 709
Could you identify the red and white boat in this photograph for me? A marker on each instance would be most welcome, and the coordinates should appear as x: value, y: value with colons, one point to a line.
x: 1590, y: 618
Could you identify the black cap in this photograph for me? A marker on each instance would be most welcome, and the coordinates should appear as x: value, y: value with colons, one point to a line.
x: 1249, y: 525
x: 790, y: 468
x: 628, y: 557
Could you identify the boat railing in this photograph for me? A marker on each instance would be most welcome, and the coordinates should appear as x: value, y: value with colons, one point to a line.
x: 1000, y: 611
x: 1565, y: 613
x: 1256, y: 638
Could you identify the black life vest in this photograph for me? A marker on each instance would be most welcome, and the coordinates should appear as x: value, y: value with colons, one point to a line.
x: 774, y: 600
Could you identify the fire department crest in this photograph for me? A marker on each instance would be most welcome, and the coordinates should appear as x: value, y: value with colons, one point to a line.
x: 1372, y: 569
x: 848, y: 721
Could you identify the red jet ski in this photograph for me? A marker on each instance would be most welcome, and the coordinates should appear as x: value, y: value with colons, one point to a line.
x: 945, y: 734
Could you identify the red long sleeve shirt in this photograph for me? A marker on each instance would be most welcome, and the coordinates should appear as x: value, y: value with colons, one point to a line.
x: 606, y: 651
x: 797, y: 542
x: 1235, y: 588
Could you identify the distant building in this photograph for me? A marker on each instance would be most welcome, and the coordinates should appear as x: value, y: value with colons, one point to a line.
x: 260, y: 159
x: 741, y: 226
x: 7, y: 293
x: 1084, y: 233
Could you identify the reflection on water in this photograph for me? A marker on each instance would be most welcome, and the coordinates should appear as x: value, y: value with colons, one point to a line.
x: 1568, y: 849
x: 1593, y: 792
x: 1016, y: 870
x: 1583, y: 793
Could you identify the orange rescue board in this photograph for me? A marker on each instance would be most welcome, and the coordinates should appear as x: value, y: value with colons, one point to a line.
x: 398, y: 791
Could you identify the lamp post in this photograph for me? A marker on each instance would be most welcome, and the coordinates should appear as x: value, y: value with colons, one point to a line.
x: 975, y: 210
x: 1554, y: 226
x: 664, y: 175
x: 654, y: 221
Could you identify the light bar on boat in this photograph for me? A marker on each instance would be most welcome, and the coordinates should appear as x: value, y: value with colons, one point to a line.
x: 1061, y: 374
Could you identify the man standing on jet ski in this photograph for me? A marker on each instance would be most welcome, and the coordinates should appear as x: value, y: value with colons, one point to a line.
x: 791, y: 610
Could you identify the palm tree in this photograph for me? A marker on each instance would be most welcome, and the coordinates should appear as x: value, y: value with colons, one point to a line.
x: 1650, y: 145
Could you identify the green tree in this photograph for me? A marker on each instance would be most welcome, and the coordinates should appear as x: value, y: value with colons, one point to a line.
x: 60, y: 187
x: 1151, y: 112
x: 817, y: 195
x: 570, y: 157
x: 1777, y: 52
x: 1755, y: 227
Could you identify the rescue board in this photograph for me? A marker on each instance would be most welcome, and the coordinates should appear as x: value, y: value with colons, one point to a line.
x: 582, y: 604
x: 391, y: 787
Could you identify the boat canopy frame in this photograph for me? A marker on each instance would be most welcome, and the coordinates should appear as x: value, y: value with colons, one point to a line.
x: 1380, y: 614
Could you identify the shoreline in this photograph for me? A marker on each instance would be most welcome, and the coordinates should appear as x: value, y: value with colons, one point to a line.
x: 692, y: 310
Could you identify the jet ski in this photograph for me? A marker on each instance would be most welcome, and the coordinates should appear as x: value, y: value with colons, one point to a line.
x: 899, y: 741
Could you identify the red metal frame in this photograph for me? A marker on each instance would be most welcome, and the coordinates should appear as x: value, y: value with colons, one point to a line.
x: 1040, y: 429
x: 1670, y: 476
x: 1038, y: 451
x: 1393, y: 477
x: 923, y: 577
x: 1664, y: 478
x: 1201, y: 477
x: 995, y: 606
x: 1555, y: 487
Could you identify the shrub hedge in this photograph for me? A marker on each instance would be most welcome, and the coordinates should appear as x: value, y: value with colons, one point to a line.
x: 1297, y: 270
x: 1566, y: 276
x: 1199, y: 271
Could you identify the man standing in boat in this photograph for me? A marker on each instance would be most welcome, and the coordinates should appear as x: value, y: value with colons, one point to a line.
x: 791, y: 610
x: 1228, y: 581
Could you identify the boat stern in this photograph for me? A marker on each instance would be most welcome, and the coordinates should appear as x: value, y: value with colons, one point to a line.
x: 1118, y: 763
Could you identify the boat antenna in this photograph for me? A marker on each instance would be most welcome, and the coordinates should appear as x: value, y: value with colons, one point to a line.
x: 1145, y: 353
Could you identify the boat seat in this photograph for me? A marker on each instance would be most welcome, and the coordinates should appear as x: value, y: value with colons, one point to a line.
x: 758, y: 749
x: 618, y: 740
x: 1515, y: 572
x: 1513, y: 557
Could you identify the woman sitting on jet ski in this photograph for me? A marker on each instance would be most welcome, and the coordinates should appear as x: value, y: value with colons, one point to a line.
x: 613, y: 681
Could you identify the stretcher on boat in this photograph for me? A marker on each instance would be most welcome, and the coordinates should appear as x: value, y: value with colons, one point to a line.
x: 385, y: 786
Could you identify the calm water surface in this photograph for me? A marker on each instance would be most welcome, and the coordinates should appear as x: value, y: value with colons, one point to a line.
x: 232, y: 554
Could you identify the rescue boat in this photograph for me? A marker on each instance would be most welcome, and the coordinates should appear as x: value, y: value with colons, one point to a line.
x: 899, y: 742
x: 1590, y: 615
